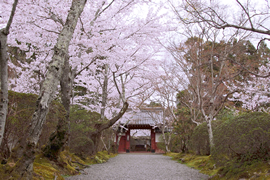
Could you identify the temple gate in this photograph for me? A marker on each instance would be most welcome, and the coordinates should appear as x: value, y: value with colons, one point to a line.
x: 146, y: 118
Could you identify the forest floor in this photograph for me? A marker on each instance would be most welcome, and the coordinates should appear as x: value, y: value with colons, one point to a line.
x: 255, y: 170
x: 66, y: 165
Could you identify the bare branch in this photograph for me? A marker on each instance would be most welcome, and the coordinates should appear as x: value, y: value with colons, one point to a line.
x: 246, y: 12
x: 268, y: 39
x: 44, y: 28
x: 6, y: 31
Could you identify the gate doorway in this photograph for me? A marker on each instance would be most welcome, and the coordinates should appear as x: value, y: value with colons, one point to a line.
x: 140, y: 140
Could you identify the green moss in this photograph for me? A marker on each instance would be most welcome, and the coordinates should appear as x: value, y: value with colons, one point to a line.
x: 205, y: 164
x: 66, y: 165
x: 100, y: 157
x: 46, y: 172
x: 232, y: 170
x: 47, y: 169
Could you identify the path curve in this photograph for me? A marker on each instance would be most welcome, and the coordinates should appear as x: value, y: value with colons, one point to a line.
x: 132, y: 166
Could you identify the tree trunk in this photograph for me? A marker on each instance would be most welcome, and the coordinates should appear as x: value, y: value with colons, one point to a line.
x: 104, y: 92
x: 58, y: 139
x: 95, y: 136
x: 118, y: 141
x: 4, y: 71
x: 166, y: 142
x: 4, y: 149
x: 4, y: 83
x: 210, y: 133
x: 26, y: 148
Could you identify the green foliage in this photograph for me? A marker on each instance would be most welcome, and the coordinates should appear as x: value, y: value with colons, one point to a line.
x: 154, y: 104
x: 21, y: 107
x: 82, y: 124
x: 245, y: 138
x: 200, y: 138
x: 182, y: 128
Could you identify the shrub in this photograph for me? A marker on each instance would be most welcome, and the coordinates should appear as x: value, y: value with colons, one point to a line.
x: 200, y: 140
x: 21, y: 107
x: 245, y: 138
x: 82, y: 124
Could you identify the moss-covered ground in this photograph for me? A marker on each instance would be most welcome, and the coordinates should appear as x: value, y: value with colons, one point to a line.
x: 67, y: 164
x: 232, y: 170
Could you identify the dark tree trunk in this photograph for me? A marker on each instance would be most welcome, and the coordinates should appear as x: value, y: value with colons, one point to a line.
x: 4, y: 150
x: 25, y: 152
x: 4, y: 83
x: 59, y: 139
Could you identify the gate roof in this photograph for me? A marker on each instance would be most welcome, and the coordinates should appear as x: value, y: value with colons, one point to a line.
x: 147, y: 116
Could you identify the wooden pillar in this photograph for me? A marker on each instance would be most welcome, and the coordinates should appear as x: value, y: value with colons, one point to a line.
x: 153, y: 141
x: 128, y: 141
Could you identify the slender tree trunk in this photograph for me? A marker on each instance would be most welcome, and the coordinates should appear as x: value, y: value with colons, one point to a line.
x: 4, y: 72
x: 104, y: 145
x: 210, y: 133
x: 118, y: 141
x: 26, y: 149
x: 167, y: 143
x: 104, y: 92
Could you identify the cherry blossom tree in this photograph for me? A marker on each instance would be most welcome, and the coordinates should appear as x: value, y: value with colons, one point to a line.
x: 253, y: 93
x: 4, y: 70
x: 27, y: 144
x: 110, y: 39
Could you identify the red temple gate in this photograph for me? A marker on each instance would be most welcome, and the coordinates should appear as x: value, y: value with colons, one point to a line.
x: 141, y: 120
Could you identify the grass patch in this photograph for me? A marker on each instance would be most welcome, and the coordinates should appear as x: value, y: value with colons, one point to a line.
x: 232, y: 170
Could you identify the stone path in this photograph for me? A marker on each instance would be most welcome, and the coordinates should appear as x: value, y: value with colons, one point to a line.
x: 133, y: 166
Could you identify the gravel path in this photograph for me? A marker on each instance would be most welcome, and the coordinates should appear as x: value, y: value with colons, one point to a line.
x: 140, y: 167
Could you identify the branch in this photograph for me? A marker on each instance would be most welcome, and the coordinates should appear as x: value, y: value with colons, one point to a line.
x: 268, y: 39
x: 93, y: 60
x: 98, y: 13
x: 6, y: 31
x: 117, y: 86
x: 245, y: 10
x: 45, y: 29
x: 243, y: 28
x: 255, y: 74
x: 222, y: 103
x: 114, y: 119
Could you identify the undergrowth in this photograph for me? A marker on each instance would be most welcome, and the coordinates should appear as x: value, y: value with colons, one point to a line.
x: 231, y: 170
x: 67, y: 164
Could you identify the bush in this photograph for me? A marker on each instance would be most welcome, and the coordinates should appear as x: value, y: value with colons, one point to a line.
x: 200, y: 140
x: 245, y: 138
x: 82, y: 123
x: 21, y: 107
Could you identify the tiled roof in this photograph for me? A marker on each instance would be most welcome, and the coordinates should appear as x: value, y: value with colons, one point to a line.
x: 147, y: 117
